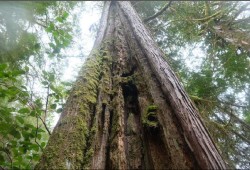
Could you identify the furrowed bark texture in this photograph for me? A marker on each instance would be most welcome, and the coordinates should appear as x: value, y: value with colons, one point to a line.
x: 127, y: 109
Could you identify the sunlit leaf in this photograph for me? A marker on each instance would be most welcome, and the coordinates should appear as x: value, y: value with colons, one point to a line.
x: 24, y: 110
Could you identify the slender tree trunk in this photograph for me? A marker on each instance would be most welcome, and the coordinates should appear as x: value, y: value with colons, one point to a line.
x: 127, y: 108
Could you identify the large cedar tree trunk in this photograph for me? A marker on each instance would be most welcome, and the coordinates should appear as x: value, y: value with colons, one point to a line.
x: 127, y: 109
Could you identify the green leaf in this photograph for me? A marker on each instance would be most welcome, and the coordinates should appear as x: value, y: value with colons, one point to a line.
x: 38, y: 103
x: 43, y: 144
x: 50, y: 28
x: 13, y: 143
x: 34, y: 147
x: 56, y: 50
x: 23, y: 87
x: 66, y: 42
x: 57, y: 96
x: 15, y: 151
x: 15, y: 133
x: 20, y: 158
x: 3, y: 66
x: 21, y: 150
x: 60, y: 19
x: 53, y: 106
x: 37, y: 46
x: 24, y: 110
x: 59, y: 110
x: 67, y: 83
x: 39, y: 136
x: 55, y: 89
x: 17, y: 72
x: 45, y: 83
x: 33, y: 113
x: 65, y: 15
x: 1, y: 158
x: 68, y: 36
x: 26, y: 68
x: 31, y: 126
x: 40, y: 130
x: 55, y: 34
x: 20, y: 119
x: 52, y: 45
x: 29, y: 157
x: 51, y: 77
x: 36, y: 157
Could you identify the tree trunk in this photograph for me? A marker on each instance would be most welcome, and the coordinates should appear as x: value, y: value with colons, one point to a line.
x: 127, y: 109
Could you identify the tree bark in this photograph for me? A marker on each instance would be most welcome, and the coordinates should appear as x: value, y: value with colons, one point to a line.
x: 127, y: 109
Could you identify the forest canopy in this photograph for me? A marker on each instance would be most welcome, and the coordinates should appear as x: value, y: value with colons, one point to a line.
x: 207, y: 43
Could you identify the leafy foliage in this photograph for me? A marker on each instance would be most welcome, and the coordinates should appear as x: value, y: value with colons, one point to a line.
x: 30, y: 91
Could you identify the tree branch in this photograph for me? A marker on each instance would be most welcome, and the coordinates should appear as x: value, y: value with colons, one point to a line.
x: 46, y: 127
x: 46, y: 105
x: 7, y: 152
x: 247, y: 19
x: 233, y: 104
x: 36, y: 134
x: 242, y: 9
x: 40, y: 24
x: 233, y: 131
x: 216, y: 101
x: 207, y: 17
x: 158, y: 13
x: 231, y: 114
x: 241, y: 136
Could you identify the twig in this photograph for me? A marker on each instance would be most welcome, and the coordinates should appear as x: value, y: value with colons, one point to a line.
x: 229, y: 119
x: 46, y: 105
x: 207, y: 17
x: 36, y: 133
x: 158, y: 13
x: 233, y: 131
x: 201, y: 99
x: 11, y: 161
x: 233, y: 104
x: 40, y: 24
x: 135, y: 3
x: 46, y: 127
x: 247, y: 19
x: 231, y: 114
x: 216, y: 101
x: 242, y: 9
x: 5, y: 150
x: 241, y: 136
